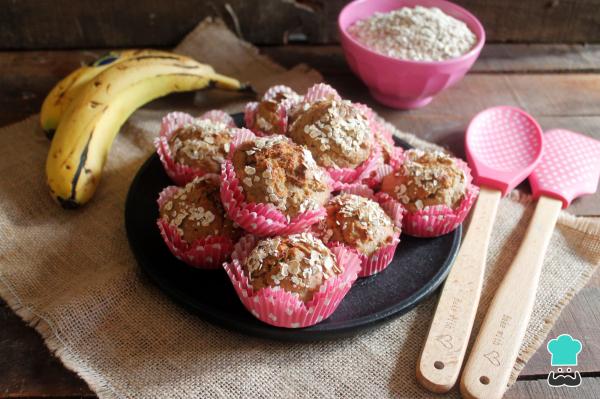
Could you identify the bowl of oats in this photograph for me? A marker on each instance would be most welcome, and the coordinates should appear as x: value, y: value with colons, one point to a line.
x: 407, y: 51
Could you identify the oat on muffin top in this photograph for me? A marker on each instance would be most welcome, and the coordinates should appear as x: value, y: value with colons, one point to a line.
x: 196, y: 211
x: 275, y: 170
x: 358, y: 222
x: 269, y: 112
x: 426, y: 178
x: 202, y: 144
x: 299, y: 263
x: 335, y: 131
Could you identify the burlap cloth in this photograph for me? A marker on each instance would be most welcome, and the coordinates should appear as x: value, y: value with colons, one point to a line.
x: 71, y: 275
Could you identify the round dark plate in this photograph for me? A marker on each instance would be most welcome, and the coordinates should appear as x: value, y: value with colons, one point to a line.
x: 420, y: 265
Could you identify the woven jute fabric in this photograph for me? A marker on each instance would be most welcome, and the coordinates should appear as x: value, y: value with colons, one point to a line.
x: 71, y: 275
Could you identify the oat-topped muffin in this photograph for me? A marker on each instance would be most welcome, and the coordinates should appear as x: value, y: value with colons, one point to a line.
x: 335, y: 131
x: 273, y: 112
x: 426, y: 178
x: 270, y: 117
x: 202, y: 144
x: 275, y: 170
x: 196, y: 211
x: 299, y: 263
x: 358, y: 222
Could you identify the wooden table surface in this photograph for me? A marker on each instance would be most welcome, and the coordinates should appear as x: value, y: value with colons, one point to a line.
x: 557, y: 84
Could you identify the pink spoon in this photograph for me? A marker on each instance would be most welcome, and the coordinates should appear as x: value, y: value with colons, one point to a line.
x: 503, y: 146
x: 570, y: 167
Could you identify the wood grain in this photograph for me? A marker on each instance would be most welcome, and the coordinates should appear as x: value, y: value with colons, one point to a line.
x: 53, y: 24
x: 448, y: 337
x: 538, y: 389
x: 494, y: 58
x: 501, y: 334
x: 27, y: 368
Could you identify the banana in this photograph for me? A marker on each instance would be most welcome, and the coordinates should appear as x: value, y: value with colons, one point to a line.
x: 91, y: 122
x: 63, y: 93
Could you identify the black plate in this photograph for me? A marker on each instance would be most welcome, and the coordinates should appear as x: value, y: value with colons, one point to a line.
x: 419, y: 267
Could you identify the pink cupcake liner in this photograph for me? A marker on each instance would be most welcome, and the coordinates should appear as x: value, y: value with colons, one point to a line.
x: 434, y: 221
x: 396, y: 157
x: 204, y: 253
x: 216, y: 115
x: 280, y: 308
x: 261, y: 219
x: 380, y: 259
x: 321, y: 91
x: 377, y: 176
x: 257, y: 218
x: 179, y: 173
x: 250, y: 114
x: 361, y: 173
x: 291, y: 100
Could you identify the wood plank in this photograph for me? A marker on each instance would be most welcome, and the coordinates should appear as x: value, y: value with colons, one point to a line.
x: 539, y: 58
x: 27, y: 367
x: 538, y: 389
x: 494, y: 58
x: 535, y: 21
x: 37, y: 24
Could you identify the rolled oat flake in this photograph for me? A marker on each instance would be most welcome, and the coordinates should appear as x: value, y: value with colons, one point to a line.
x: 416, y: 34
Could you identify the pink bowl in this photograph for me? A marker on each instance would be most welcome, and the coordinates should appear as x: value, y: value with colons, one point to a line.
x: 400, y: 83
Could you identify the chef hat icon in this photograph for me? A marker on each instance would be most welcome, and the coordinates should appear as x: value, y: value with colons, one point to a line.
x: 564, y: 350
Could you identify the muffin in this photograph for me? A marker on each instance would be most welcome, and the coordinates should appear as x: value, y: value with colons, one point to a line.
x: 298, y: 263
x: 271, y: 115
x: 426, y: 178
x: 194, y: 224
x: 202, y: 144
x: 361, y: 223
x: 337, y: 133
x: 272, y: 178
x: 191, y: 147
x: 434, y: 188
x: 291, y: 281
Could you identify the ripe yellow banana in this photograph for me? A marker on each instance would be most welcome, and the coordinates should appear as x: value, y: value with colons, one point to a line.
x: 65, y: 91
x: 91, y: 122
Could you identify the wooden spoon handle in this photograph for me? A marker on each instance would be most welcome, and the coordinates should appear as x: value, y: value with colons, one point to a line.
x: 444, y: 349
x: 491, y: 361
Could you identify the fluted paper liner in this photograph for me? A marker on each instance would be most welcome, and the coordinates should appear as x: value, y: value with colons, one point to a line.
x: 434, y: 221
x: 380, y: 259
x: 262, y: 219
x: 179, y: 173
x: 283, y: 110
x: 321, y: 91
x: 281, y: 308
x: 204, y: 253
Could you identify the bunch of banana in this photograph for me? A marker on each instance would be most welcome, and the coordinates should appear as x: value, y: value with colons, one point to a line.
x: 88, y: 108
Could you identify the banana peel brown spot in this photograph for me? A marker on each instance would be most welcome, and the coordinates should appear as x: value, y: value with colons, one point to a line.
x: 178, y: 65
x: 82, y: 159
